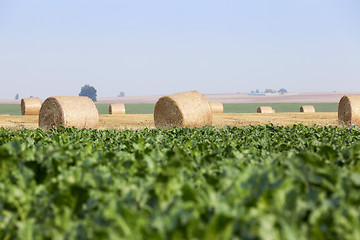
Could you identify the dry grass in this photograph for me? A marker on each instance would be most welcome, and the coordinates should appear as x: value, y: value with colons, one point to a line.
x: 349, y: 110
x: 141, y: 121
x: 30, y: 106
x: 117, y: 108
x: 307, y: 109
x: 265, y: 109
x: 68, y: 111
x: 279, y: 119
x: 19, y: 122
x: 133, y: 121
x: 183, y: 109
x: 217, y: 107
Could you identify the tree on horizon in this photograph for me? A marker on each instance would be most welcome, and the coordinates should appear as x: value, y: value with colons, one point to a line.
x: 282, y: 91
x: 88, y: 91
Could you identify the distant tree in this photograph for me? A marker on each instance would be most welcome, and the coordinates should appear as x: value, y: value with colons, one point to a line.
x: 122, y: 94
x: 252, y: 91
x: 88, y: 91
x: 282, y: 91
x: 31, y: 96
x: 257, y: 91
x: 17, y: 96
x: 269, y: 91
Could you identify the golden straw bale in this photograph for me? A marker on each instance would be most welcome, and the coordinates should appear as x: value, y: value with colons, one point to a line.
x: 117, y: 108
x: 68, y: 111
x: 307, y: 108
x: 349, y: 110
x: 265, y: 109
x: 183, y: 109
x: 217, y: 107
x: 30, y: 106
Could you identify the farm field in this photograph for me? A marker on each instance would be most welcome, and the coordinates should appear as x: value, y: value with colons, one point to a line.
x: 134, y: 108
x: 287, y: 175
x: 148, y: 108
x: 12, y: 109
x: 141, y: 121
x: 279, y: 107
x: 259, y: 182
x: 143, y: 108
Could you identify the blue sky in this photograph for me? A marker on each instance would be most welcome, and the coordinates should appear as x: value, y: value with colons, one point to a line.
x: 143, y: 47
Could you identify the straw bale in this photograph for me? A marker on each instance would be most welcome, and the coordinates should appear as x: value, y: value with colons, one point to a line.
x: 117, y: 108
x: 30, y: 106
x: 68, y: 111
x: 185, y: 109
x: 217, y: 107
x: 265, y: 109
x: 349, y: 110
x: 307, y: 109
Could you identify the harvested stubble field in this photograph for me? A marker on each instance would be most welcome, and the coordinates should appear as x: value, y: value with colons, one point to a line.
x: 141, y: 121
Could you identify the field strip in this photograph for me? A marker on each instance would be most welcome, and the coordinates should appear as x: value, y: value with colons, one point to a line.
x: 141, y: 121
x: 281, y: 119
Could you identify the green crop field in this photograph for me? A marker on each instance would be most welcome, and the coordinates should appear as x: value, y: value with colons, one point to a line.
x: 260, y: 182
x: 142, y: 108
x: 279, y: 107
x: 14, y: 109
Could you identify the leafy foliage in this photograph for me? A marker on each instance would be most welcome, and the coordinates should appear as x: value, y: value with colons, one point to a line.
x: 260, y: 182
x: 88, y: 91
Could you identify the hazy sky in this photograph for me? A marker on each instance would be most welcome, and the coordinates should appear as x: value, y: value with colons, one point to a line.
x: 144, y: 47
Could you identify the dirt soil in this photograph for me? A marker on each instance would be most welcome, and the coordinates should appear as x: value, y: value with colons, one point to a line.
x: 142, y: 121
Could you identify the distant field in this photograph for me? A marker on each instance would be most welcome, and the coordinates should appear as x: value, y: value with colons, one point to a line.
x: 143, y: 108
x: 14, y: 109
x: 279, y: 107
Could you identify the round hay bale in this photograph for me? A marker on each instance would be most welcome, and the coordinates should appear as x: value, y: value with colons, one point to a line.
x: 67, y: 111
x: 217, y: 107
x: 265, y: 109
x: 117, y: 108
x: 307, y: 108
x: 185, y: 109
x: 30, y: 106
x: 349, y: 110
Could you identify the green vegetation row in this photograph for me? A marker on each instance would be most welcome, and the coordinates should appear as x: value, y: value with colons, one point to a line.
x: 260, y: 182
x: 14, y: 109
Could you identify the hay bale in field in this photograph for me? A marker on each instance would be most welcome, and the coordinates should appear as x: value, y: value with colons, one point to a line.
x: 67, y: 111
x: 30, y: 106
x: 117, y: 108
x: 217, y: 107
x: 307, y: 109
x: 265, y: 109
x: 183, y: 109
x: 349, y: 110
